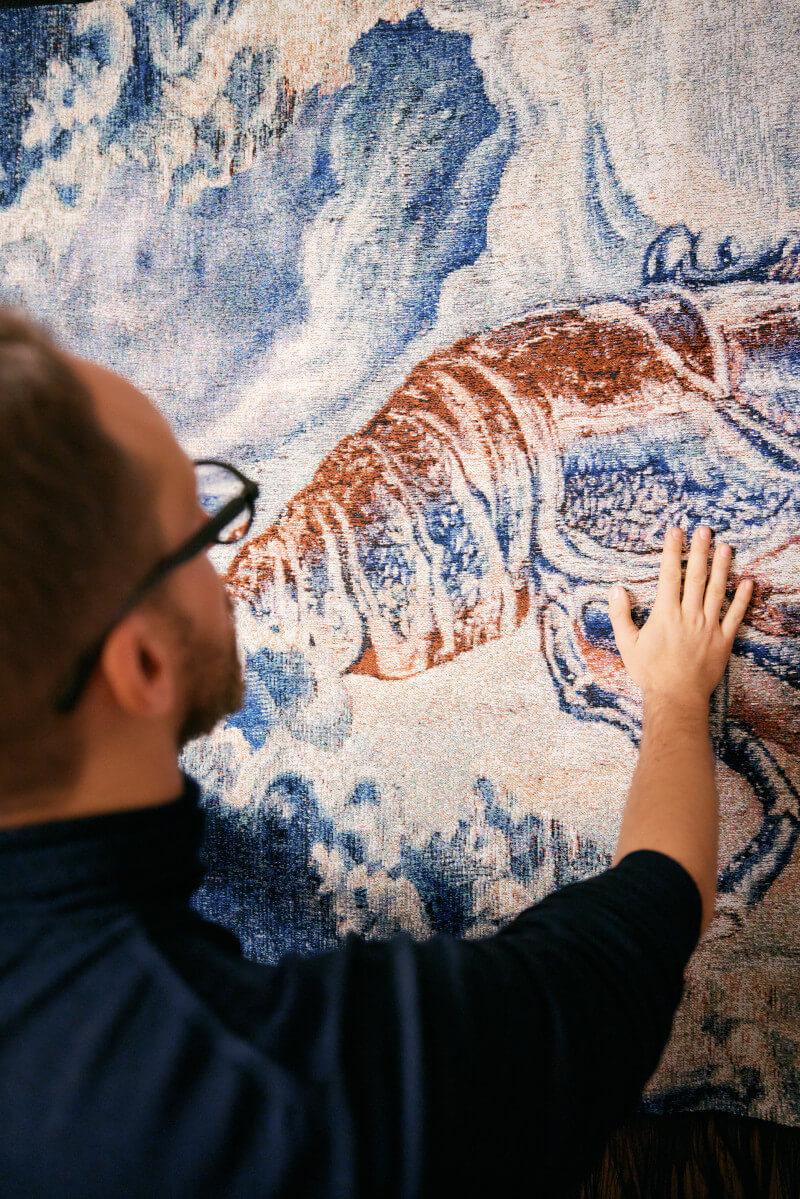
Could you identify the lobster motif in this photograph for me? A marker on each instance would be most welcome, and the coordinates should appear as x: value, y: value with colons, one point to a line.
x: 519, y: 473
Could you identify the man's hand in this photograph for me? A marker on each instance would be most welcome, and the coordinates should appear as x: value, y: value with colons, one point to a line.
x: 681, y: 651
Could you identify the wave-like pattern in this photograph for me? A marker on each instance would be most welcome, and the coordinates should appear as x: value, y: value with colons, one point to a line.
x: 284, y: 848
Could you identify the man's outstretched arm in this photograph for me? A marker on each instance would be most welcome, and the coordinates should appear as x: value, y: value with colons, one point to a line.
x: 677, y: 658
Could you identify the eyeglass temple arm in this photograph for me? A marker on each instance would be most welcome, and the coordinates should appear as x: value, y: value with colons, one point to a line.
x: 68, y: 697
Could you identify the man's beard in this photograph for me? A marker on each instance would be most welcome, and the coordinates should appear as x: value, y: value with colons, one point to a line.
x: 212, y: 676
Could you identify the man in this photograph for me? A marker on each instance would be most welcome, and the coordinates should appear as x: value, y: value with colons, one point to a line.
x: 140, y: 1053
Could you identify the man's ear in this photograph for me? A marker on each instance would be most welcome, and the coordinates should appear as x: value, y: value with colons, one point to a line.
x: 138, y: 664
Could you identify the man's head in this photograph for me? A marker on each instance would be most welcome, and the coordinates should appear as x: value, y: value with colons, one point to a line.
x: 95, y: 489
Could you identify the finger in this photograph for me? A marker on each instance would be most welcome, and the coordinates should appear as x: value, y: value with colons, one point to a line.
x: 696, y: 571
x: 715, y: 592
x: 668, y: 592
x: 619, y: 611
x: 733, y: 617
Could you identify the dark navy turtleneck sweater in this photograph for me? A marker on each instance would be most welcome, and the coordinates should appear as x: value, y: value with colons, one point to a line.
x: 142, y: 1056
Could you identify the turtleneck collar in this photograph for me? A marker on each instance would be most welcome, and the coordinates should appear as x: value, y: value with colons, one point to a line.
x: 144, y: 855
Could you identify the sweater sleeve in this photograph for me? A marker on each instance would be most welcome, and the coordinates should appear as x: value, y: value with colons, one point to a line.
x: 506, y: 1062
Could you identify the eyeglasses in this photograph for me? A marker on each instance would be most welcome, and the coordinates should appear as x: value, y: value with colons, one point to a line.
x: 229, y: 498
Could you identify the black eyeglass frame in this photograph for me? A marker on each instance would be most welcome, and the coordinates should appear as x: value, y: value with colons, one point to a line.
x: 69, y: 695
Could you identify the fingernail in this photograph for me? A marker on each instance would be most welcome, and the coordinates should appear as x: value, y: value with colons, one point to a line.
x: 615, y: 591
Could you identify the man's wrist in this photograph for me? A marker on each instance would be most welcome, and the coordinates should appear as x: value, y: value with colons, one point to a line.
x: 692, y: 707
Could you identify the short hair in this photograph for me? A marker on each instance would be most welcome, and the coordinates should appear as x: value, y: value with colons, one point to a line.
x: 78, y: 528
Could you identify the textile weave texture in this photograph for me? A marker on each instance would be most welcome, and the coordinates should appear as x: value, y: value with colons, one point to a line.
x: 485, y: 296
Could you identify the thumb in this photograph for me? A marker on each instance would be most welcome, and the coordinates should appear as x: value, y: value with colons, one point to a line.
x: 619, y: 611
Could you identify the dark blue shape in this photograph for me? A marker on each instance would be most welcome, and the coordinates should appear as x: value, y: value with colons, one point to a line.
x: 779, y: 655
x: 286, y: 676
x: 719, y: 1097
x: 598, y: 627
x: 452, y: 531
x: 279, y: 686
x: 353, y: 845
x: 443, y: 884
x: 673, y: 257
x: 62, y: 143
x: 67, y: 192
x: 29, y: 37
x: 408, y: 73
x: 720, y: 1027
x: 365, y: 791
x: 285, y: 679
x: 529, y: 838
x: 255, y: 719
x: 260, y: 879
x: 141, y: 90
x: 322, y: 182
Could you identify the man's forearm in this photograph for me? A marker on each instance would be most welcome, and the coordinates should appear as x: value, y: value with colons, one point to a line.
x: 673, y: 806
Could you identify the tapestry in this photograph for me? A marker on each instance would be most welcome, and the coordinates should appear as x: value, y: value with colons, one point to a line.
x: 485, y: 297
